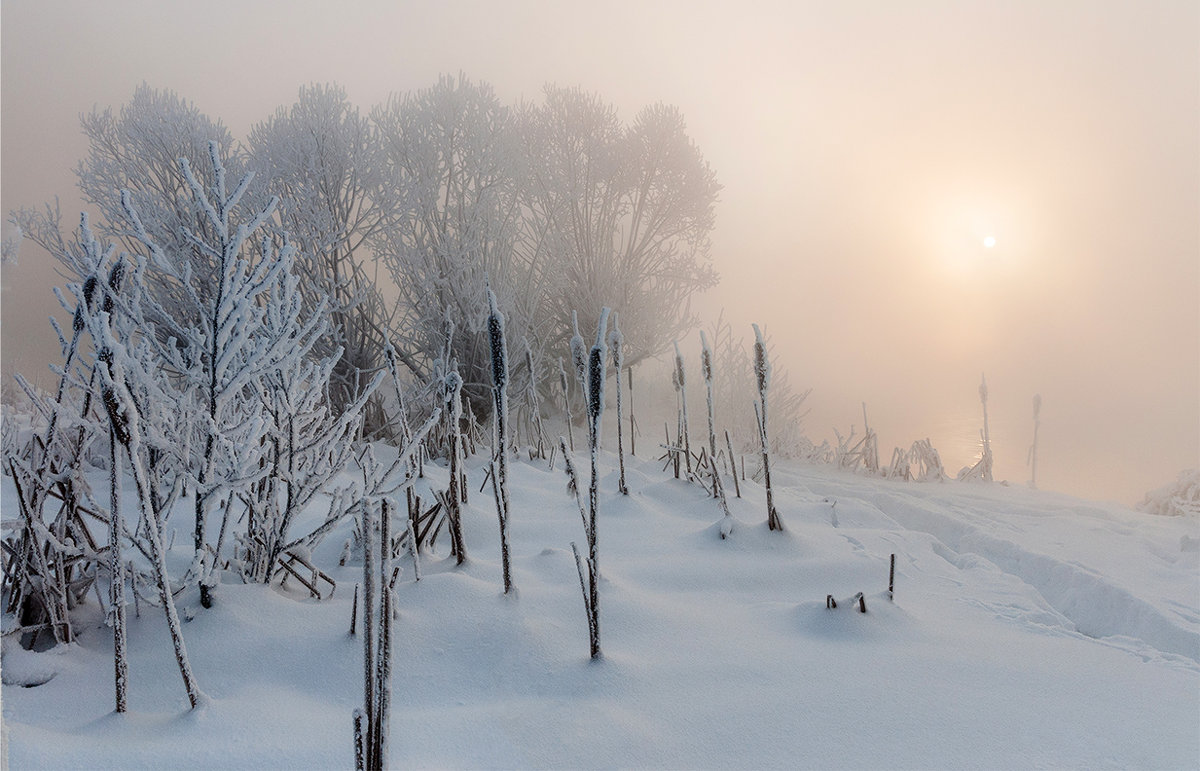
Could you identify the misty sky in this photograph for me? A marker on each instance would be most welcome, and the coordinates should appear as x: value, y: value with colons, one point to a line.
x: 866, y: 150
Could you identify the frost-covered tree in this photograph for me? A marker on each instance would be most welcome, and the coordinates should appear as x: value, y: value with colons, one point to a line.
x: 452, y: 150
x: 627, y: 210
x: 320, y: 157
x: 137, y: 149
x: 216, y: 342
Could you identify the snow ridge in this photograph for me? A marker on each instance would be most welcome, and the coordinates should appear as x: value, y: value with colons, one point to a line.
x: 1089, y: 603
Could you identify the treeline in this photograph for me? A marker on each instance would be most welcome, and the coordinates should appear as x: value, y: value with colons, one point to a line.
x: 404, y: 215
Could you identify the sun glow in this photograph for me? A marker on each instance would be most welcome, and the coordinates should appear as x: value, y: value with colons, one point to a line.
x: 976, y: 235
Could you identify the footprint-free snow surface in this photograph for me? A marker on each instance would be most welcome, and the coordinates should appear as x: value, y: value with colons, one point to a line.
x: 1028, y: 630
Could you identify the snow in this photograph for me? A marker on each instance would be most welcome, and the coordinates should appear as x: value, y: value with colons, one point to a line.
x: 1029, y: 629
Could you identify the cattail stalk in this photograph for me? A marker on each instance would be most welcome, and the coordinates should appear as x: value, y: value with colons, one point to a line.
x: 1037, y: 422
x: 595, y: 396
x: 680, y: 383
x: 617, y: 342
x: 986, y: 460
x: 117, y: 570
x: 562, y: 380
x: 632, y: 422
x: 706, y: 369
x: 737, y: 488
x: 499, y: 351
x: 762, y: 376
x: 455, y: 495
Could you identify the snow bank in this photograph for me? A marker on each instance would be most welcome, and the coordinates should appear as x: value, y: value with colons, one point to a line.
x: 1028, y: 630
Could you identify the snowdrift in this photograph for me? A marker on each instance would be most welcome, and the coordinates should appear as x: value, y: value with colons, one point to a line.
x: 1028, y: 629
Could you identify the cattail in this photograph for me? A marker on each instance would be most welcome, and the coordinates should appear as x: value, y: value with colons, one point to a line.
x: 579, y: 356
x: 562, y: 380
x: 1037, y: 422
x: 453, y: 393
x: 589, y: 574
x: 116, y: 277
x: 617, y: 342
x: 533, y: 404
x: 762, y: 374
x: 500, y: 396
x: 596, y: 375
x: 986, y: 460
x: 706, y: 369
x: 680, y: 382
x: 117, y: 571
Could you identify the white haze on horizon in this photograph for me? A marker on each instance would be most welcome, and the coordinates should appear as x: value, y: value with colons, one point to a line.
x: 866, y: 150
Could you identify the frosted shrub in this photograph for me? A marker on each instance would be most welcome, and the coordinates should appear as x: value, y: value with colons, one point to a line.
x: 53, y: 560
x: 928, y: 462
x: 862, y: 455
x: 307, y: 444
x: 1178, y: 499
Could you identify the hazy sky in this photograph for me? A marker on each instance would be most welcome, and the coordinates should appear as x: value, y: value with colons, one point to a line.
x: 866, y: 150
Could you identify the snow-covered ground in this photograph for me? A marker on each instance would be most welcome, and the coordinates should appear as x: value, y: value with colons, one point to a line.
x: 1029, y: 629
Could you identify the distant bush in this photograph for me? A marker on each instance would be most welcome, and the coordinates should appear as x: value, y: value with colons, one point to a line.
x: 1179, y: 499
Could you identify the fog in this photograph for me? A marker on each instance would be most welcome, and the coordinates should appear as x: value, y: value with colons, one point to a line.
x: 866, y: 151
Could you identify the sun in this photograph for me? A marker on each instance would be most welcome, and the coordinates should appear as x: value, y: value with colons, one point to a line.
x: 989, y: 242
